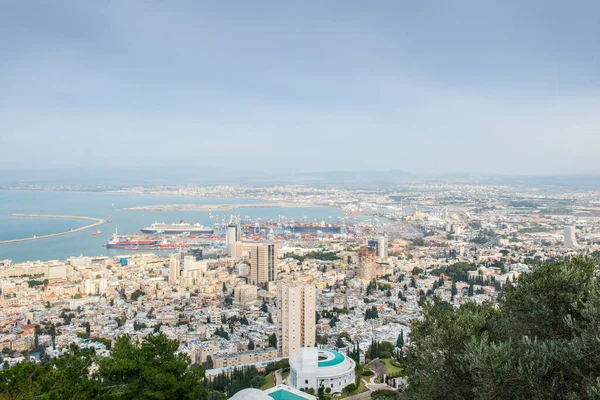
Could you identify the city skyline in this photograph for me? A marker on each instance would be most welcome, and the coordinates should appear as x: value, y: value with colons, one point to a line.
x: 427, y: 88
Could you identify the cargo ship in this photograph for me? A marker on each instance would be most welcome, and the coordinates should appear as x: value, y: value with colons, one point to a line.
x: 177, y: 229
x: 123, y: 242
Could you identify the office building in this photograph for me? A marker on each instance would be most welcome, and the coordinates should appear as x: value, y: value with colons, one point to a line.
x: 296, y: 304
x: 263, y: 263
x: 233, y: 235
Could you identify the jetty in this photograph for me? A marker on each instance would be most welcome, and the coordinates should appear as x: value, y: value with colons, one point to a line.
x: 95, y: 222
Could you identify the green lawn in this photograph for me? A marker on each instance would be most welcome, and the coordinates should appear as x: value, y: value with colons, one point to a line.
x: 269, y: 381
x: 390, y: 369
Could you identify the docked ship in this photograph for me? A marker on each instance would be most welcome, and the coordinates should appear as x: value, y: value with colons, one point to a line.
x: 123, y: 242
x: 178, y: 229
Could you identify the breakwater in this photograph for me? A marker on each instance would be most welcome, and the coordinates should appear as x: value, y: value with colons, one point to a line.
x: 95, y: 222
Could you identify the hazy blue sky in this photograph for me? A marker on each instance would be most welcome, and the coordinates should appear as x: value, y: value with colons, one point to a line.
x: 425, y: 86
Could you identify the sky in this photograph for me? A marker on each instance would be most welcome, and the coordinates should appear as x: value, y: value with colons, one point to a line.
x: 429, y: 87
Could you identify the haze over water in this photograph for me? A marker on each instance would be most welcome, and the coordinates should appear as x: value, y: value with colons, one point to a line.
x: 108, y: 205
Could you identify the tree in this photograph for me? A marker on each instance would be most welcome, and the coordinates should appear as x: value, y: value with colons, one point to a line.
x: 371, y: 313
x: 224, y: 288
x: 150, y: 369
x: 66, y: 376
x: 272, y: 340
x: 251, y: 345
x: 264, y: 308
x: 536, y: 344
x: 137, y: 294
x: 320, y: 339
x: 453, y: 290
x: 270, y: 318
x: 350, y: 388
x: 339, y: 343
x: 208, y: 364
x: 400, y: 340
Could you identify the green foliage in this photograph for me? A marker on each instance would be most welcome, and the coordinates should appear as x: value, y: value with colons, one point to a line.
x: 354, y: 353
x: 371, y: 313
x: 208, y: 363
x: 275, y: 365
x: 418, y: 242
x: 272, y: 340
x: 400, y: 340
x: 146, y: 370
x: 384, y: 394
x: 350, y: 388
x: 63, y: 377
x: 483, y: 236
x: 143, y: 370
x: 458, y: 272
x: 136, y: 295
x: 314, y: 255
x: 320, y: 339
x: 380, y: 350
x: 34, y: 283
x: 232, y: 382
x: 220, y: 331
x: 541, y: 342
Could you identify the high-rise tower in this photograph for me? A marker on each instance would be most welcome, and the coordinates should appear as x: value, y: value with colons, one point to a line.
x: 232, y: 236
x: 296, y: 303
x: 263, y: 263
x: 174, y: 270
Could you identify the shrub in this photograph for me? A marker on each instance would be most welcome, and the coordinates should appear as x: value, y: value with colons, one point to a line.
x: 350, y: 388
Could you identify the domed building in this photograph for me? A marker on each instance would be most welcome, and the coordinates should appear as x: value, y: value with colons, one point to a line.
x: 311, y: 367
x: 251, y: 394
x: 279, y: 392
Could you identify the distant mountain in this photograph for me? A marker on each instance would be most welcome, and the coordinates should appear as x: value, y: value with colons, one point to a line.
x: 208, y: 175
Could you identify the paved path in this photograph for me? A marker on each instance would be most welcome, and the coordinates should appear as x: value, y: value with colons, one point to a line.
x: 278, y: 377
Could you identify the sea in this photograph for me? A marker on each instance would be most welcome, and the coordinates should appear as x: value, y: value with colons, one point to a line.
x: 110, y: 206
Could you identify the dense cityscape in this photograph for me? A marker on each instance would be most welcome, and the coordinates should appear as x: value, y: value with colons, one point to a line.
x: 244, y: 294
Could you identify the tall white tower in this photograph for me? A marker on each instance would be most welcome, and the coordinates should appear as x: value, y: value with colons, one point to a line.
x: 382, y: 246
x: 570, y: 239
x: 296, y: 304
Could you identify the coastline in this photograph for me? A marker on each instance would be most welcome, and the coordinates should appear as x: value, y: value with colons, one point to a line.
x: 218, y: 207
